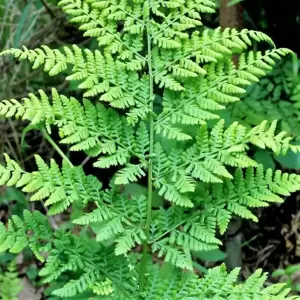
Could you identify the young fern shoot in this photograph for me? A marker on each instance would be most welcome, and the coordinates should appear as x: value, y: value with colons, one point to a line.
x: 148, y: 91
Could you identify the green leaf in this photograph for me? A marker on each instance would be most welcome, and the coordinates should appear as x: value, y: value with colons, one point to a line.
x: 265, y: 158
x: 279, y: 272
x: 200, y: 268
x: 291, y: 160
x: 290, y: 270
x: 212, y: 255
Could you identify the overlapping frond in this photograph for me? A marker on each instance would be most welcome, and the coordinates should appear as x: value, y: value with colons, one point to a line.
x: 217, y: 284
x: 101, y: 20
x: 98, y: 131
x: 59, y: 187
x: 252, y: 188
x: 32, y: 231
x: 99, y: 75
x: 223, y: 83
x: 275, y: 97
x: 190, y: 57
x: 119, y: 218
x: 70, y: 254
x: 207, y: 159
x: 176, y: 234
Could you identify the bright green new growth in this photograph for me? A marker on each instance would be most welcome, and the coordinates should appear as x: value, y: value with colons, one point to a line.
x: 149, y: 90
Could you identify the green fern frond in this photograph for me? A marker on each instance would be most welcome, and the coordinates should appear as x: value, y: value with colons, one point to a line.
x: 71, y: 254
x: 59, y: 188
x: 87, y: 127
x: 121, y: 219
x: 74, y: 287
x: 100, y: 75
x: 162, y: 77
x: 34, y: 231
x: 217, y: 284
x: 100, y: 19
x: 272, y: 98
x: 248, y: 189
x: 208, y: 158
x: 130, y: 173
x: 223, y: 84
x: 10, y: 284
x: 103, y: 288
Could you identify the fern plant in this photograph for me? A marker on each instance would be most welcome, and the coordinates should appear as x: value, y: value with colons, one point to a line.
x: 10, y: 284
x: 158, y: 78
x: 275, y: 97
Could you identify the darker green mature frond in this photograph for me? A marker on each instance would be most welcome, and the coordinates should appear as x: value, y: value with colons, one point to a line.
x: 217, y: 284
x: 120, y: 218
x: 58, y: 187
x: 272, y: 98
x: 33, y: 231
x: 248, y: 189
x: 71, y: 254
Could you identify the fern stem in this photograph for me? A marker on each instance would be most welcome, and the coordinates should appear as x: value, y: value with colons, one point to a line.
x: 150, y: 161
x: 55, y: 146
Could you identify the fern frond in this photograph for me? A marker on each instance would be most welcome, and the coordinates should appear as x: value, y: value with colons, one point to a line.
x: 172, y: 255
x: 207, y: 160
x: 72, y: 254
x: 59, y: 188
x: 87, y: 127
x: 264, y: 100
x: 74, y: 287
x: 10, y: 284
x: 100, y: 75
x: 34, y: 231
x: 223, y: 83
x: 217, y: 284
x: 248, y: 189
x: 122, y: 219
x: 103, y: 288
x: 100, y: 19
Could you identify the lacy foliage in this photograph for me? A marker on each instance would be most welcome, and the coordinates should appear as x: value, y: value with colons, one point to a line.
x: 152, y: 96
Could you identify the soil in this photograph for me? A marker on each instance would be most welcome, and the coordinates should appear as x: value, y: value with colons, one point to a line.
x: 273, y: 242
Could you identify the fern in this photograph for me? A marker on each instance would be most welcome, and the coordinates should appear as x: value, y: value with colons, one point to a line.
x: 274, y: 97
x: 10, y: 284
x: 152, y: 93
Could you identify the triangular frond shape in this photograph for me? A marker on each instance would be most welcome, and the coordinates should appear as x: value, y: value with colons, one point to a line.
x: 149, y: 101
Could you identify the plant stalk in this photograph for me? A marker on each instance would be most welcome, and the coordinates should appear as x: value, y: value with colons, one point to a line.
x: 143, y: 265
x: 55, y: 146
